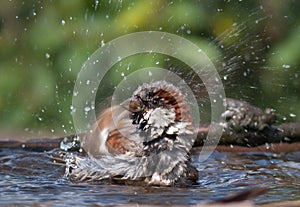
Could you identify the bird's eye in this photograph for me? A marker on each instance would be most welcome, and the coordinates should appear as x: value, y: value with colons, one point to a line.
x: 155, y: 101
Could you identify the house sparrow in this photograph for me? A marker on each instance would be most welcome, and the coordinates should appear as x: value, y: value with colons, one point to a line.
x: 146, y: 138
x: 241, y: 115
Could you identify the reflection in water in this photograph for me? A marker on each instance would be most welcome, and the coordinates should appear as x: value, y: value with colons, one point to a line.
x: 28, y: 177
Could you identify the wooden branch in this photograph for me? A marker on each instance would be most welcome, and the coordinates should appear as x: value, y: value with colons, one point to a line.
x: 247, y: 125
x: 246, y: 128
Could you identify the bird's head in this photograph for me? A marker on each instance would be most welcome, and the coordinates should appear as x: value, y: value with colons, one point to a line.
x: 160, y: 112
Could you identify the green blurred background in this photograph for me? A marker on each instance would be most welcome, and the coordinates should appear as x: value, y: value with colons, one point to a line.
x: 43, y: 44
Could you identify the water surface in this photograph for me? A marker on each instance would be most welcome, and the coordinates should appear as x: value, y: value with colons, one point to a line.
x: 28, y: 177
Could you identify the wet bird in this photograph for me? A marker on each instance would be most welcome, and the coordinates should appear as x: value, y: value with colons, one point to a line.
x: 147, y: 138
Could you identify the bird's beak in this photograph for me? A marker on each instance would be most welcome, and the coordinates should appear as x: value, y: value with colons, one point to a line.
x: 132, y: 105
x: 125, y: 104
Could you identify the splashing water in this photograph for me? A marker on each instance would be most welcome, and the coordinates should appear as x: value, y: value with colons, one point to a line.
x: 35, y: 178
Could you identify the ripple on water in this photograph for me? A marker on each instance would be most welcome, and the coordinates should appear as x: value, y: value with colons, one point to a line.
x: 28, y: 177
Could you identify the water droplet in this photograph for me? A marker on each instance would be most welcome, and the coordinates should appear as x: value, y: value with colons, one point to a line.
x: 102, y: 43
x: 267, y: 145
x: 96, y: 4
x: 87, y: 109
x: 286, y: 66
x: 73, y: 110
